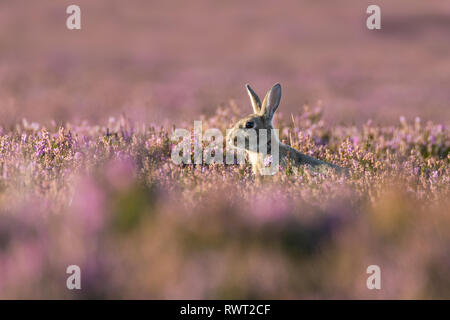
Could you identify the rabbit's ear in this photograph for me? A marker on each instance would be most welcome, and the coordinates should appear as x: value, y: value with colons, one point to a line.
x: 271, y: 101
x: 256, y: 103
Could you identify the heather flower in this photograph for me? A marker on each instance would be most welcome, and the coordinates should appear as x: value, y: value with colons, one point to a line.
x: 268, y: 160
x: 110, y: 199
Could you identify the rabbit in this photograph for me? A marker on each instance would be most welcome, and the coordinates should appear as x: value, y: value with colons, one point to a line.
x: 262, y: 119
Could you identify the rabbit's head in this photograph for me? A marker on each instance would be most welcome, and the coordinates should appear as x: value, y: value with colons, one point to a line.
x: 261, y: 118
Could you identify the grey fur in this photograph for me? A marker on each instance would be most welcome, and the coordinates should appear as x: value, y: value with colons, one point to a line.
x: 262, y: 117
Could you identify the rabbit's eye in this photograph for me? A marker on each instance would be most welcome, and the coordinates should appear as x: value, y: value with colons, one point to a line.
x: 249, y: 124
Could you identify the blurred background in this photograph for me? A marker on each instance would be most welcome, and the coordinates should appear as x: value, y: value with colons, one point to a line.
x: 105, y: 195
x: 172, y: 60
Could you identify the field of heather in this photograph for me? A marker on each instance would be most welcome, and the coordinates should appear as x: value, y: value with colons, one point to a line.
x: 86, y: 176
